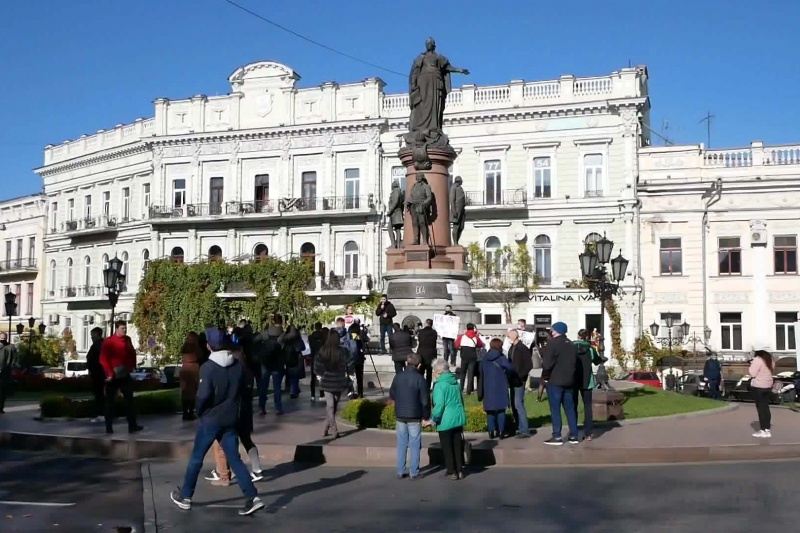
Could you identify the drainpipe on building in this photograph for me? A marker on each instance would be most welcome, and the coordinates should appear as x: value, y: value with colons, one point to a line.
x: 712, y: 195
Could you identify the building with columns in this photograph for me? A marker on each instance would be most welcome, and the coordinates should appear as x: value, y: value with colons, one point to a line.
x: 22, y: 227
x: 719, y: 238
x: 274, y: 168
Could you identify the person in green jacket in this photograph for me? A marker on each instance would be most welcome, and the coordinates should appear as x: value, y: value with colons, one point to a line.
x: 584, y: 379
x: 449, y: 417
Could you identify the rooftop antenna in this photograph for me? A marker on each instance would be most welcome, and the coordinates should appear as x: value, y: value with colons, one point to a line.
x: 707, y: 119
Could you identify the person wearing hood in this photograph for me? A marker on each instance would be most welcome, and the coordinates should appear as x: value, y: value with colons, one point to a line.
x: 293, y: 348
x: 468, y: 344
x: 558, y: 371
x: 219, y: 402
x: 493, y: 388
x: 584, y: 379
x: 269, y: 354
x: 449, y: 417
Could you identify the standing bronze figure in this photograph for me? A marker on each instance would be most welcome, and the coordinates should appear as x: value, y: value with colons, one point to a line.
x: 458, y: 209
x: 395, y: 214
x: 419, y: 206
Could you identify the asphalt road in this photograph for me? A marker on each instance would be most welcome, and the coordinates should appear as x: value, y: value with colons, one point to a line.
x: 68, y: 494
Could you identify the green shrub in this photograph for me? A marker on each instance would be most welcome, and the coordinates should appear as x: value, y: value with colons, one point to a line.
x: 372, y: 414
x: 388, y: 417
x: 154, y: 403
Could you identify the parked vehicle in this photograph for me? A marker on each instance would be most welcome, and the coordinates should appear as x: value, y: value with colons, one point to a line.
x: 170, y: 376
x: 782, y: 392
x: 146, y: 373
x: 693, y: 384
x: 644, y: 378
x: 76, y: 369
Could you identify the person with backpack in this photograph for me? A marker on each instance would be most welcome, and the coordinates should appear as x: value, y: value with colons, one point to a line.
x: 449, y: 417
x: 269, y: 353
x: 355, y: 351
x: 468, y: 344
x: 293, y: 347
x: 584, y: 379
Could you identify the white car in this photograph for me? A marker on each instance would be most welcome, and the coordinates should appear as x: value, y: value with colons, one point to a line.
x: 76, y: 369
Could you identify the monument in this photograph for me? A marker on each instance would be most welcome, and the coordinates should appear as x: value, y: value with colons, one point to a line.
x: 426, y: 269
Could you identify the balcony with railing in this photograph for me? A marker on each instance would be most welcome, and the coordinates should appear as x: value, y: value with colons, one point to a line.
x: 84, y: 292
x: 505, y: 282
x: 88, y: 225
x: 11, y: 267
x: 509, y: 198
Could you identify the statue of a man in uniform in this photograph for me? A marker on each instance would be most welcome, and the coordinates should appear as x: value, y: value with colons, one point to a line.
x: 419, y: 206
x: 458, y: 207
x: 395, y: 214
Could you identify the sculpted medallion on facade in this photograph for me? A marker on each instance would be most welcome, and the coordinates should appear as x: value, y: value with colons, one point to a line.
x: 264, y: 103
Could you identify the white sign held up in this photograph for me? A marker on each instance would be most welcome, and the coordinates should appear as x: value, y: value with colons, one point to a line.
x: 447, y: 326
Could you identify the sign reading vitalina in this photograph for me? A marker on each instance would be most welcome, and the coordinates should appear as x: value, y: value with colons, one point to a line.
x: 562, y: 298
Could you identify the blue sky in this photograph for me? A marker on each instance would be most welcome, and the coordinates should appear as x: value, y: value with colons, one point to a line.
x: 69, y: 67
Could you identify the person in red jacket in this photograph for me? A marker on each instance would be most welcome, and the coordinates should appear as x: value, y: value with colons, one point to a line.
x: 468, y: 344
x: 118, y: 358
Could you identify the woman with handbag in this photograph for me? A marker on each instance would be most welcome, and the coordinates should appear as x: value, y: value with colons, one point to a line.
x: 449, y: 417
x: 332, y: 366
x: 761, y: 381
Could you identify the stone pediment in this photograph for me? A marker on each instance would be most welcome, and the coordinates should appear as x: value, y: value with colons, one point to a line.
x: 263, y: 73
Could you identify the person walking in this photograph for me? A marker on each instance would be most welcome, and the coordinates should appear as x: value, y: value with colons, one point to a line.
x: 189, y: 375
x: 449, y: 417
x: 468, y: 344
x: 584, y: 379
x: 761, y: 380
x: 273, y: 367
x: 493, y: 388
x: 316, y: 341
x: 219, y: 401
x: 96, y: 373
x: 118, y: 358
x: 412, y: 407
x: 332, y: 365
x: 522, y: 364
x: 354, y: 345
x: 293, y: 348
x: 385, y: 313
x: 8, y: 360
x: 401, y: 344
x: 712, y: 372
x: 426, y: 348
x: 558, y: 371
x: 449, y: 345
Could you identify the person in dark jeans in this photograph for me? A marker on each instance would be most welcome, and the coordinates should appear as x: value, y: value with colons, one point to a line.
x: 355, y: 348
x: 412, y: 405
x: 584, y: 379
x: 558, y: 370
x: 402, y: 344
x: 761, y: 380
x: 469, y: 343
x: 426, y: 349
x: 8, y: 360
x: 270, y: 356
x: 316, y: 340
x: 96, y: 373
x: 118, y: 358
x: 386, y: 313
x: 219, y: 404
x: 449, y: 345
x: 712, y: 372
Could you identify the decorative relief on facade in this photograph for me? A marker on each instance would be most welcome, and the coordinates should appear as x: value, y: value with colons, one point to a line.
x: 196, y: 151
x: 216, y: 148
x: 264, y: 103
x: 592, y: 122
x: 262, y: 145
x: 670, y: 298
x: 784, y: 297
x: 328, y: 138
x: 286, y: 146
x: 630, y: 120
x: 668, y: 162
x: 158, y: 154
x: 730, y: 297
x: 361, y: 137
x: 234, y: 156
x: 306, y: 141
x: 214, y: 166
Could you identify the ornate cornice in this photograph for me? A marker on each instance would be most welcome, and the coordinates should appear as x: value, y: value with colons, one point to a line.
x: 138, y: 147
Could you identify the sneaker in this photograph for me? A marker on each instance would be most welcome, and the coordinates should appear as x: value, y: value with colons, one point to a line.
x: 257, y: 476
x: 767, y: 434
x: 97, y: 420
x: 214, y: 476
x: 220, y: 482
x: 554, y: 442
x: 183, y: 503
x: 135, y: 429
x: 251, y: 506
x: 760, y: 434
x: 573, y: 440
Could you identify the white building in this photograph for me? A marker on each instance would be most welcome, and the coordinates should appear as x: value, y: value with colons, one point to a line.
x: 719, y: 231
x: 22, y: 223
x: 272, y: 168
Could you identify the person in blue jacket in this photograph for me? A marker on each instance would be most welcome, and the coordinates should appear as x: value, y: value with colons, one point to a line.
x: 493, y: 388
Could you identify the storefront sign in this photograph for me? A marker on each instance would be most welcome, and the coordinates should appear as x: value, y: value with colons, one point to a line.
x: 562, y: 298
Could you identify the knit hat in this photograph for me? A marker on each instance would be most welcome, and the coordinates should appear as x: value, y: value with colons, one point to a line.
x: 560, y: 328
x: 215, y: 338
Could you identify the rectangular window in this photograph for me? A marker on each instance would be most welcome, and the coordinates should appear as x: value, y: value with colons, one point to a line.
x: 71, y: 209
x: 785, y: 254
x: 308, y: 190
x: 54, y: 217
x: 29, y: 300
x: 18, y: 292
x: 593, y: 174
x: 731, y: 330
x: 730, y: 256
x: 6, y: 290
x: 541, y: 178
x: 216, y: 191
x: 85, y: 324
x: 493, y: 182
x: 178, y: 194
x: 9, y: 257
x: 126, y: 204
x: 262, y: 193
x: 31, y: 250
x: 18, y: 262
x: 784, y: 331
x: 146, y: 199
x: 352, y: 187
x: 399, y: 175
x: 663, y: 331
x: 87, y: 206
x: 107, y: 204
x: 670, y: 256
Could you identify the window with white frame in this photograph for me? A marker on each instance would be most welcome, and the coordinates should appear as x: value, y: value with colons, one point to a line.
x: 399, y: 175
x: 350, y: 260
x: 29, y: 299
x: 107, y: 204
x: 104, y: 263
x: 593, y: 175
x: 261, y: 192
x: 178, y: 193
x: 542, y: 259
x: 125, y: 268
x: 308, y: 190
x: 592, y: 238
x: 731, y: 330
x: 71, y: 209
x: 31, y: 250
x: 730, y: 256
x: 126, y: 203
x: 493, y: 182
x: 663, y: 331
x: 87, y: 206
x: 87, y: 272
x: 784, y: 330
x: 493, y: 250
x: 85, y: 325
x: 146, y: 199
x: 54, y: 216
x: 785, y: 250
x: 53, y: 279
x: 69, y: 272
x: 541, y: 177
x: 145, y: 259
x: 352, y: 187
x: 670, y: 256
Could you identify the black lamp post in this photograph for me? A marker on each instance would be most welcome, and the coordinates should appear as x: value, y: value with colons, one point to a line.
x: 31, y: 323
x: 603, y: 284
x: 669, y: 321
x: 113, y: 279
x: 11, y: 310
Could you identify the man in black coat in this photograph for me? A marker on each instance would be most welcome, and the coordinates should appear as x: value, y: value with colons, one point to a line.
x: 426, y: 349
x: 401, y: 342
x: 385, y: 313
x: 520, y: 357
x: 558, y: 370
x: 96, y: 373
x: 412, y: 407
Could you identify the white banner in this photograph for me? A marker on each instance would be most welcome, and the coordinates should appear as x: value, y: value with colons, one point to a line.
x: 527, y: 338
x: 349, y: 319
x: 447, y: 326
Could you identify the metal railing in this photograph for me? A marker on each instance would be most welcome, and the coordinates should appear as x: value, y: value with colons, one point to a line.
x: 313, y: 204
x: 509, y: 197
x: 101, y: 222
x: 499, y: 281
x: 18, y: 265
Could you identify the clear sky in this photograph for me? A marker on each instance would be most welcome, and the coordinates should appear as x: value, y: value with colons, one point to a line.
x: 71, y: 67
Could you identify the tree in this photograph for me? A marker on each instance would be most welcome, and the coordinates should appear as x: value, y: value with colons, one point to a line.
x: 508, y: 272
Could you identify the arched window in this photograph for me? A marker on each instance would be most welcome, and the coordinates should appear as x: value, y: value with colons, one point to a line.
x: 350, y: 260
x: 215, y: 253
x: 261, y: 252
x: 145, y: 259
x: 308, y: 252
x: 125, y: 259
x: 176, y: 255
x: 592, y: 238
x: 69, y: 273
x: 87, y: 272
x: 53, y: 278
x: 542, y: 259
x: 493, y: 254
x: 105, y: 266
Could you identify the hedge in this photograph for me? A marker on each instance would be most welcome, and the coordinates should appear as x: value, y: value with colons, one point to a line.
x: 154, y: 403
x: 375, y: 414
x: 72, y: 385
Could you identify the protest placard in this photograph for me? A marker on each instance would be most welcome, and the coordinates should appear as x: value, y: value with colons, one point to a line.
x: 447, y: 326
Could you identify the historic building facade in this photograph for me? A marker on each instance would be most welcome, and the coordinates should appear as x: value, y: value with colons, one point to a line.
x: 719, y: 238
x: 272, y: 168
x: 22, y: 227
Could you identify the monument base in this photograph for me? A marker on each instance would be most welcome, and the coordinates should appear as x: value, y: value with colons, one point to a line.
x: 423, y: 292
x: 417, y: 256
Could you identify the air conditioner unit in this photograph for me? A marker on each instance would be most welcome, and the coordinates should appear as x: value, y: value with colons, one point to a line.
x: 88, y: 319
x: 67, y: 322
x: 53, y: 320
x: 758, y: 233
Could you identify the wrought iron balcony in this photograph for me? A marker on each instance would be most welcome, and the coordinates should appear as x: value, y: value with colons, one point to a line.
x: 98, y: 224
x: 499, y: 282
x: 17, y: 266
x: 514, y: 198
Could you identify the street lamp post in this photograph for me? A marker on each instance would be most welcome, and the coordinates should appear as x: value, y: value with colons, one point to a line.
x: 113, y: 279
x: 31, y: 323
x: 669, y: 321
x: 11, y: 310
x: 603, y: 285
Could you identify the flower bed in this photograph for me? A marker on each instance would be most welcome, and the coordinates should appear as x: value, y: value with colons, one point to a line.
x: 147, y: 403
x: 27, y: 383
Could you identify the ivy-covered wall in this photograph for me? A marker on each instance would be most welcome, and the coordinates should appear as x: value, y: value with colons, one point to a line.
x: 175, y: 299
